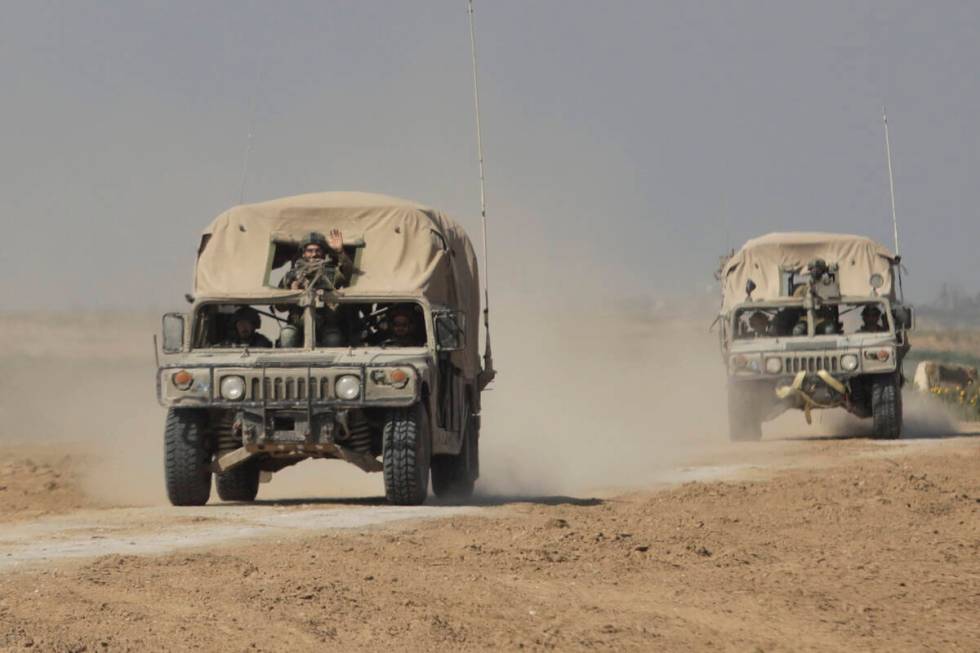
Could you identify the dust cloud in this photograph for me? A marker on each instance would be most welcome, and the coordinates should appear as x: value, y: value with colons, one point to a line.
x: 923, y: 417
x: 84, y: 382
x: 589, y: 399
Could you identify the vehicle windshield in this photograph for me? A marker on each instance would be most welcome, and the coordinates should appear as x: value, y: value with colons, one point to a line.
x: 370, y: 324
x: 282, y: 326
x: 233, y: 326
x: 832, y: 318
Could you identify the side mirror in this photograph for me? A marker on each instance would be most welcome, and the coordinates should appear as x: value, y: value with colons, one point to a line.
x: 173, y: 333
x: 749, y: 287
x: 904, y: 317
x: 450, y: 329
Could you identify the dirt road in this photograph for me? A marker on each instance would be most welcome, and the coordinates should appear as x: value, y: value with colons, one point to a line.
x: 820, y: 544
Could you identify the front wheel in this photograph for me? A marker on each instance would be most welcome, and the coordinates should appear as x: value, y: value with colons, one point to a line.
x: 187, y: 457
x: 406, y: 454
x: 239, y: 483
x: 453, y: 477
x: 886, y: 406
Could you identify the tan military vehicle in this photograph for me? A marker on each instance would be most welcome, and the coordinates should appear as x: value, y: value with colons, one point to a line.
x: 812, y: 321
x: 381, y: 370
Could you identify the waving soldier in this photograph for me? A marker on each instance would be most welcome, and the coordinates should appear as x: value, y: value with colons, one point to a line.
x: 322, y: 262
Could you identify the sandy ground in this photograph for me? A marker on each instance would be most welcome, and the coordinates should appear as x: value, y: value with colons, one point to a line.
x: 806, y: 545
x: 599, y: 528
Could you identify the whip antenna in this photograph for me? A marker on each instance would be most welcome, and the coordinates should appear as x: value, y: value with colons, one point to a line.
x: 891, y: 180
x: 891, y: 189
x: 488, y: 371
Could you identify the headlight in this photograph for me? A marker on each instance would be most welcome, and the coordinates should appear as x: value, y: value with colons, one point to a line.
x: 774, y: 365
x: 849, y: 362
x: 348, y: 387
x: 233, y: 387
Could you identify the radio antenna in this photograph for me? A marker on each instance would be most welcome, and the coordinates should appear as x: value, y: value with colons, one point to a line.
x: 488, y: 371
x: 891, y: 189
x: 891, y: 179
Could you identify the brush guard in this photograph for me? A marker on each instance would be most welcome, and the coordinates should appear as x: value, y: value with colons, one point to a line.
x: 810, y: 391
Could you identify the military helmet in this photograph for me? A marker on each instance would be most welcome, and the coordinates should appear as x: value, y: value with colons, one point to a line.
x: 817, y: 268
x: 247, y: 313
x: 314, y: 238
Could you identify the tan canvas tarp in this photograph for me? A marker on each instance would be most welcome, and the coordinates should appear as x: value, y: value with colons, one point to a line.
x: 405, y: 249
x: 763, y: 259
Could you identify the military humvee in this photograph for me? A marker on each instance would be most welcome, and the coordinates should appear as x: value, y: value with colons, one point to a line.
x: 812, y: 321
x: 350, y: 390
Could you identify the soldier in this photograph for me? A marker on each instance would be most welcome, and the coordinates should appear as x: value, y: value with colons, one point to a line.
x: 826, y: 322
x: 244, y: 324
x: 324, y: 264
x: 871, y: 320
x: 403, y: 321
x: 759, y: 324
x: 322, y: 261
x: 785, y: 320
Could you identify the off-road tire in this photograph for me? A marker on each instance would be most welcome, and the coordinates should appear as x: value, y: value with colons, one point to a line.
x: 886, y: 406
x: 406, y: 454
x: 453, y: 477
x: 239, y: 483
x: 187, y: 457
x: 744, y: 420
x: 860, y: 397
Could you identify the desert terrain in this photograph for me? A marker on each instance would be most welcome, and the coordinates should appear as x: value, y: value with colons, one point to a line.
x: 612, y: 515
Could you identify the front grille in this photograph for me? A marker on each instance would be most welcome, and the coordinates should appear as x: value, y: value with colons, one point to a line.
x: 287, y: 384
x: 284, y: 385
x: 794, y: 364
x: 275, y: 387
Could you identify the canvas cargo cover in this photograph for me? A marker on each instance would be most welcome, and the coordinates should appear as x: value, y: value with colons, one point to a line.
x: 762, y: 259
x: 404, y: 249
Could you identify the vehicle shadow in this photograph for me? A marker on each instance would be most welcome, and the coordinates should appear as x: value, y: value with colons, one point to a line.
x: 490, y: 500
x: 940, y: 435
x: 819, y: 438
x: 318, y: 501
x: 910, y: 435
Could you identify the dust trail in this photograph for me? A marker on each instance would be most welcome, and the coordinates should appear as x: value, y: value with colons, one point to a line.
x: 587, y: 400
x: 85, y: 382
x: 923, y: 417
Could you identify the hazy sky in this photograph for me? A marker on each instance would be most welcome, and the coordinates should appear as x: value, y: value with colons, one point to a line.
x: 629, y: 141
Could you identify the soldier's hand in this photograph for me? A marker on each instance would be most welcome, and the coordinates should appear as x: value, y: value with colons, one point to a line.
x: 335, y: 240
x: 295, y: 285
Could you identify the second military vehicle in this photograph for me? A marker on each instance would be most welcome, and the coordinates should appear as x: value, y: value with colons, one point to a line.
x: 812, y: 321
x: 378, y: 366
